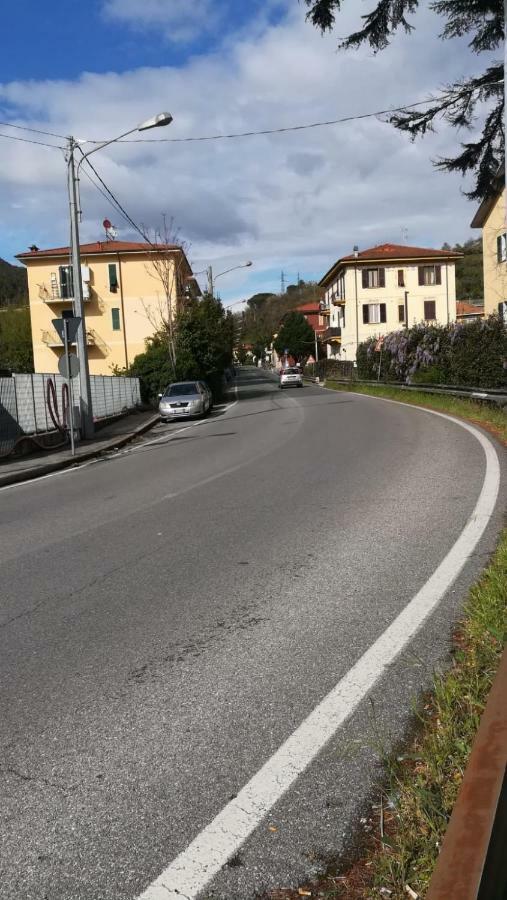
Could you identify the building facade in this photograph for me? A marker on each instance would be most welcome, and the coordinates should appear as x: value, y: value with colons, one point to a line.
x: 376, y: 291
x: 491, y: 218
x: 129, y: 289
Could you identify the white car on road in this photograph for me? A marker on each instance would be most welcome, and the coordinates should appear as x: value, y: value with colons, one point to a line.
x: 291, y: 378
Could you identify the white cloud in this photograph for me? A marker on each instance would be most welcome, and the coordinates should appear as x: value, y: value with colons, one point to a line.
x: 179, y: 20
x: 296, y: 200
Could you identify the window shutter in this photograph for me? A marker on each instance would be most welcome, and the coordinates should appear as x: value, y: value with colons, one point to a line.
x: 383, y: 317
x: 366, y: 317
x: 401, y: 313
x: 429, y: 310
x: 421, y: 275
x: 364, y: 276
x: 115, y: 317
x: 499, y: 248
x: 438, y: 274
x: 401, y: 278
x: 381, y: 277
x: 113, y: 279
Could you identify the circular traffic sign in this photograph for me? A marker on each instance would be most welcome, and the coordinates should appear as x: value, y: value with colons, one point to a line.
x: 73, y: 366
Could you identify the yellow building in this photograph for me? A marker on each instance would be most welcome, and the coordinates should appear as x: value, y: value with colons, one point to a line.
x: 368, y: 293
x: 491, y: 218
x: 129, y: 289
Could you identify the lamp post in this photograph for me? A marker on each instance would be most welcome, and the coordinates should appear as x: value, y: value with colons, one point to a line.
x: 85, y: 396
x: 212, y: 278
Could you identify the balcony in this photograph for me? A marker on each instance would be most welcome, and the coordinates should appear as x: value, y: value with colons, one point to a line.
x: 332, y: 336
x: 325, y: 310
x: 52, y: 339
x: 338, y: 301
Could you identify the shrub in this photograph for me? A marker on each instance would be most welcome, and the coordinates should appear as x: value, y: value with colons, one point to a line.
x: 472, y: 354
x: 329, y: 368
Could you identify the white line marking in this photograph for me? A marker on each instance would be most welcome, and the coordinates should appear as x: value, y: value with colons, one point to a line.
x: 74, y: 468
x: 196, y: 866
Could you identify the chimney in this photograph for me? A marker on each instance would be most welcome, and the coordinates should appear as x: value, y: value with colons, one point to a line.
x: 356, y: 250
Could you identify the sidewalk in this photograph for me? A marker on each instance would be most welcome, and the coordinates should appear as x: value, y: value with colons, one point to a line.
x: 116, y: 434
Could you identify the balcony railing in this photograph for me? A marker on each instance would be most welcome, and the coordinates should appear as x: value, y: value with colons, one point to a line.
x: 332, y: 335
x: 55, y: 294
x: 52, y: 339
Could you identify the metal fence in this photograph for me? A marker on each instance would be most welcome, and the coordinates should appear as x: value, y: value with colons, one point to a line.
x: 24, y: 410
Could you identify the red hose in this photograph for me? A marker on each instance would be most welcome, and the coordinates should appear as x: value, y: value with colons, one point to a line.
x: 52, y: 404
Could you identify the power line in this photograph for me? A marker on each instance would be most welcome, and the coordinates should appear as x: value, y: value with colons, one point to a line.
x: 240, y: 134
x: 117, y: 204
x: 33, y: 130
x: 12, y: 137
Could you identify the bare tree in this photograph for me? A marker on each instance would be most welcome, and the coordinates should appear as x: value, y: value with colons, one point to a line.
x: 166, y: 266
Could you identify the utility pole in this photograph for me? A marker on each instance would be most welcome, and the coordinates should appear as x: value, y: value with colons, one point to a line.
x: 505, y: 106
x: 282, y: 278
x: 85, y: 392
x: 209, y: 272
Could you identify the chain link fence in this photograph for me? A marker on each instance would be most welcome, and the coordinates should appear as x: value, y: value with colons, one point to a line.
x: 24, y: 409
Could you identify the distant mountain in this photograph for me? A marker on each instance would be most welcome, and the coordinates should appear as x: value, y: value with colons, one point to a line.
x: 13, y: 285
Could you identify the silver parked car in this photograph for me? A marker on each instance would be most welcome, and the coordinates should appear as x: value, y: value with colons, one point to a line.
x: 185, y: 399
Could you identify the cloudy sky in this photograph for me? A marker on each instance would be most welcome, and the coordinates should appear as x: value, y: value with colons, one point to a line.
x: 293, y: 202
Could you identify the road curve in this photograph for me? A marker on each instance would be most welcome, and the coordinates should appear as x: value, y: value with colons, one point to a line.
x: 170, y: 616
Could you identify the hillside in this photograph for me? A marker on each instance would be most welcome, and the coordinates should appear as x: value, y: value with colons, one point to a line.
x: 13, y: 285
x: 469, y: 277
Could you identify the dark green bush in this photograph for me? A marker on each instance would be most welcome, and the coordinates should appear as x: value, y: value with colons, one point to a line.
x: 329, y: 368
x: 472, y: 354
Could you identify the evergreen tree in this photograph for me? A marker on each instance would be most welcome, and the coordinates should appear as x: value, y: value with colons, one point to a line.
x: 483, y: 22
x: 295, y: 335
x: 16, y: 352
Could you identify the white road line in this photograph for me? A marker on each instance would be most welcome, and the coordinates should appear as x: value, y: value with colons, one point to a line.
x: 196, y: 866
x: 91, y: 462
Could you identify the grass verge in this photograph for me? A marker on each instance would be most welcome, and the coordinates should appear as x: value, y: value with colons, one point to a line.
x: 489, y: 417
x: 422, y: 780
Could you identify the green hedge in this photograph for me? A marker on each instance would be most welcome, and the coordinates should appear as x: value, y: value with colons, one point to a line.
x: 329, y: 368
x: 472, y: 354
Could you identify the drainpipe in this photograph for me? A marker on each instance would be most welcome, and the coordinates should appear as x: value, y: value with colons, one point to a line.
x: 122, y: 304
x: 356, y: 252
x: 447, y: 289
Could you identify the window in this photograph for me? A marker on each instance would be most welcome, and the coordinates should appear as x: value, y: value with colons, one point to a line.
x: 401, y: 312
x: 501, y: 248
x: 430, y: 275
x: 373, y: 278
x: 115, y: 316
x: 66, y: 283
x: 113, y: 278
x: 374, y: 313
x: 430, y: 310
x: 401, y: 278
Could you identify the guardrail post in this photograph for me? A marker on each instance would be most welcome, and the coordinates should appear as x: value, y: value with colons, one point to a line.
x: 464, y: 871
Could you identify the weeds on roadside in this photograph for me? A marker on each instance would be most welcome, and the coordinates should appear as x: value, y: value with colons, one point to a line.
x: 491, y: 418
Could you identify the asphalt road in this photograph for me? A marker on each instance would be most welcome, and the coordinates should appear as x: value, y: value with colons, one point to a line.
x: 169, y: 616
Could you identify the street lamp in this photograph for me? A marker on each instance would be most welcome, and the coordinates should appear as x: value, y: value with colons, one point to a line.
x: 212, y: 279
x: 85, y: 395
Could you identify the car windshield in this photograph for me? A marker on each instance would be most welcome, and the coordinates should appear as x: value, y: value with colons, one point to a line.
x: 181, y: 390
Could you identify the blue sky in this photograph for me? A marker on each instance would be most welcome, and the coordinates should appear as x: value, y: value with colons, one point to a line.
x: 294, y: 201
x: 63, y: 38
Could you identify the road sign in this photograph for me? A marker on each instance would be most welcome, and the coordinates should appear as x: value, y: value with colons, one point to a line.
x: 71, y: 369
x: 73, y: 323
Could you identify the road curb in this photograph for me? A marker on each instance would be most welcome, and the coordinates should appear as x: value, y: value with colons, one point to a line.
x: 49, y: 467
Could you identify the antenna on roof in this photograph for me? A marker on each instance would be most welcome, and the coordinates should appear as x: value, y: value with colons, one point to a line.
x: 110, y: 230
x: 404, y: 234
